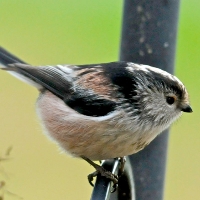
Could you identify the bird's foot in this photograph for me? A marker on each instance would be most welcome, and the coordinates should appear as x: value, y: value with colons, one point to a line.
x: 100, y: 170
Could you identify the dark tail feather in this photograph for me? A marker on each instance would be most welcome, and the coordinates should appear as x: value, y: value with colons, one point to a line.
x: 52, y: 78
x: 8, y: 58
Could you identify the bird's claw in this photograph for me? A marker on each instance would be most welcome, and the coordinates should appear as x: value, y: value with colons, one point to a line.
x: 114, y: 188
x: 91, y: 176
x: 107, y: 174
x: 100, y: 170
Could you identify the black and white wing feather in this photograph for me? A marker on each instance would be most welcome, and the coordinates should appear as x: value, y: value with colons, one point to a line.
x: 63, y: 82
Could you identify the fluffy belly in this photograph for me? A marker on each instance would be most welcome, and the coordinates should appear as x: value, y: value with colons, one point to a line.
x: 81, y: 135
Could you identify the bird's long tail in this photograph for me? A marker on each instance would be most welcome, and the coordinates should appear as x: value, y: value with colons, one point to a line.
x: 56, y: 79
x: 8, y: 62
x: 8, y: 58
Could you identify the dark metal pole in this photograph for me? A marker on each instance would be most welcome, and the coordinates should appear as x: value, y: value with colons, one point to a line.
x: 149, y: 37
x: 125, y: 191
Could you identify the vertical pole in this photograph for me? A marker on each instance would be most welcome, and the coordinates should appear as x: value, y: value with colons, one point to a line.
x: 149, y: 37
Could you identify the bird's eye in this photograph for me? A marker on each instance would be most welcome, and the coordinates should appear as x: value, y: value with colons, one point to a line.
x: 170, y: 100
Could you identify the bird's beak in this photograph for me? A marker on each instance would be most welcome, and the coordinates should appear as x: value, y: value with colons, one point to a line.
x: 187, y: 108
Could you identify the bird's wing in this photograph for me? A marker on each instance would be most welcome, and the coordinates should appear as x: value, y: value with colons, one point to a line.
x: 63, y: 82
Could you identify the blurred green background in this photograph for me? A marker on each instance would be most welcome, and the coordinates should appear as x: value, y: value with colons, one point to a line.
x: 79, y: 32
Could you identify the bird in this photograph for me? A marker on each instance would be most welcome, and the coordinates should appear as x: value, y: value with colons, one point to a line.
x: 102, y: 111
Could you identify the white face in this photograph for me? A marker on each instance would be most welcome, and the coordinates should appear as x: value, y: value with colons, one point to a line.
x: 161, y: 109
x: 160, y: 96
